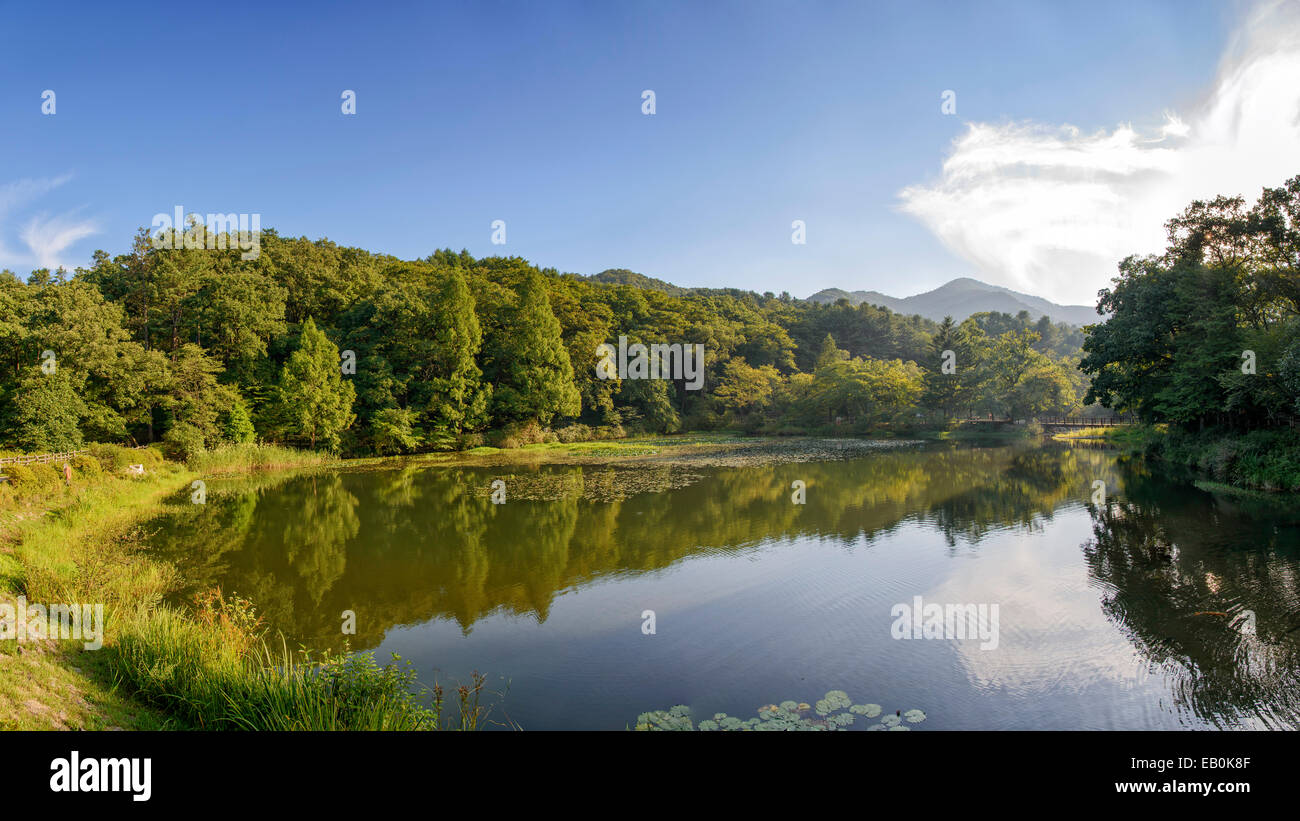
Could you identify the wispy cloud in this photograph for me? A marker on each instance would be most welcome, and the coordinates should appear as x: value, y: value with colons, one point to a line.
x: 48, y: 237
x: 45, y: 237
x: 1050, y: 210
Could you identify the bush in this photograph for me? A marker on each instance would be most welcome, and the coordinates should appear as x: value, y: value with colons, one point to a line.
x: 87, y: 465
x: 48, y: 477
x: 183, y: 443
x: 112, y: 458
x: 529, y: 433
x: 575, y: 433
x: 469, y: 441
x: 22, y: 479
x: 518, y: 434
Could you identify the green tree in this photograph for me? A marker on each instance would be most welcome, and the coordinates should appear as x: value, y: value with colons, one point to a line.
x: 314, y: 398
x: 45, y: 413
x: 239, y: 426
x: 529, y: 365
x: 944, y: 391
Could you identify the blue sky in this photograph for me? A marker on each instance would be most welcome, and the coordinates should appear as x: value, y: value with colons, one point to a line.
x: 531, y: 113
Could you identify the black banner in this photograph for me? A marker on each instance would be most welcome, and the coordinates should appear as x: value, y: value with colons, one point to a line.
x: 143, y: 772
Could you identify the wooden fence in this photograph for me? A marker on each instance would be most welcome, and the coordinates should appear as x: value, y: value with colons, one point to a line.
x: 46, y: 458
x: 40, y: 458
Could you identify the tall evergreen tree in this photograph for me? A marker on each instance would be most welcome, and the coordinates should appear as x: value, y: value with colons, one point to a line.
x: 533, y: 374
x: 315, y: 400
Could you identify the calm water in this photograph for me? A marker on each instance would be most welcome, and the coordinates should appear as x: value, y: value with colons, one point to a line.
x: 758, y: 600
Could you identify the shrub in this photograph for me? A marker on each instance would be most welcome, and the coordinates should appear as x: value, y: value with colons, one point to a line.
x: 87, y: 465
x: 112, y: 458
x: 22, y: 479
x: 48, y: 477
x: 468, y: 441
x: 183, y: 443
x: 575, y: 433
x: 518, y: 434
x: 529, y: 433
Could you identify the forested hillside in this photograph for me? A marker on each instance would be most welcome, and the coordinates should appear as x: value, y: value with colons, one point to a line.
x: 324, y: 346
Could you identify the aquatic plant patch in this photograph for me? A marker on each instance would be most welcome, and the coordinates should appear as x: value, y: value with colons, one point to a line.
x: 834, y: 711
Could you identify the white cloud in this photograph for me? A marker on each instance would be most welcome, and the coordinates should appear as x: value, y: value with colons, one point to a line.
x: 45, y: 237
x: 48, y: 237
x: 1050, y: 210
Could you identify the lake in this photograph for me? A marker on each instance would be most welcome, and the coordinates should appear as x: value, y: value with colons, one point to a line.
x: 1161, y: 606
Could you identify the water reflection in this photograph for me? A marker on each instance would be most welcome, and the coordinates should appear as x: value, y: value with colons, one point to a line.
x: 1206, y: 586
x: 421, y: 545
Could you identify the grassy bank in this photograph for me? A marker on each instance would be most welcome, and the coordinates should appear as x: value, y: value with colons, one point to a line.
x: 209, y: 667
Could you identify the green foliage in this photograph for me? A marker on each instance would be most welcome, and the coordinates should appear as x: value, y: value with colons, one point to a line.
x: 239, y: 427
x: 314, y: 398
x: 87, y: 465
x: 527, y: 362
x: 393, y: 431
x: 451, y: 347
x: 22, y: 478
x: 112, y: 458
x: 1175, y: 347
x: 183, y: 443
x: 215, y: 672
x: 45, y: 413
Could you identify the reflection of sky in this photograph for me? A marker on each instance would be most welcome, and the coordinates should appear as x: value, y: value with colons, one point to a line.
x: 795, y: 618
x: 1052, y: 632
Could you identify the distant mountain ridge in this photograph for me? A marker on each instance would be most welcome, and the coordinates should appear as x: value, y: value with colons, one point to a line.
x: 962, y: 297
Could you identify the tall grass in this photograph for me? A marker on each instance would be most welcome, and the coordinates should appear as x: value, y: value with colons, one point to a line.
x: 249, y: 457
x: 216, y: 675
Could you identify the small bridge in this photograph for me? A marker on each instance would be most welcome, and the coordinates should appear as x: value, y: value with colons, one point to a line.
x: 1054, y: 422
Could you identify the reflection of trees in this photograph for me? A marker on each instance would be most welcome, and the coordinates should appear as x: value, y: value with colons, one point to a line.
x: 1167, y: 552
x: 405, y: 546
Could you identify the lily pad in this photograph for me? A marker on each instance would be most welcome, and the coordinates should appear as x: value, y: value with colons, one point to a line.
x: 786, y: 716
x: 838, y: 700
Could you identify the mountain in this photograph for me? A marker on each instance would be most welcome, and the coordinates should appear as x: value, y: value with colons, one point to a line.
x: 622, y: 276
x: 963, y: 297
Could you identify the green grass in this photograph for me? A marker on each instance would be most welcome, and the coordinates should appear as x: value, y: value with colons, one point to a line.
x: 251, y: 457
x: 217, y: 673
x: 160, y: 667
x: 1117, y: 434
